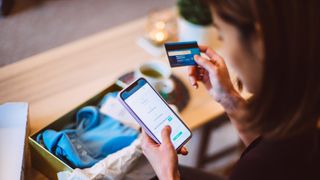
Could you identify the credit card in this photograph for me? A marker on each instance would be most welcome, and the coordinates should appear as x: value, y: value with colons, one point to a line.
x: 182, y: 53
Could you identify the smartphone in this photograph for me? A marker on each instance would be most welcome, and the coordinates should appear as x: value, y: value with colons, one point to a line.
x: 152, y: 112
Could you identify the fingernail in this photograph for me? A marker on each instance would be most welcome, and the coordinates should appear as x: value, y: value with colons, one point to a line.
x: 196, y: 57
x: 195, y: 86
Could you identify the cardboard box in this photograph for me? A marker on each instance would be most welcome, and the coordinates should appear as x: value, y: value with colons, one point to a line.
x: 14, y: 130
x: 45, y: 161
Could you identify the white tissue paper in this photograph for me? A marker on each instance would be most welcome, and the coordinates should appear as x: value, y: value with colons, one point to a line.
x: 113, y: 108
x: 113, y: 166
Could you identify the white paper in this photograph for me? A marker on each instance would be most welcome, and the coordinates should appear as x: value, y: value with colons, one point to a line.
x: 150, y: 48
x: 113, y: 108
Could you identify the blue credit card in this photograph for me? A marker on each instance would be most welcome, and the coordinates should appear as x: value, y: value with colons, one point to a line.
x: 182, y: 53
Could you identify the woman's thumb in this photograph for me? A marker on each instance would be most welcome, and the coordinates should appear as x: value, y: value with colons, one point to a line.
x: 165, y: 134
x: 206, y: 64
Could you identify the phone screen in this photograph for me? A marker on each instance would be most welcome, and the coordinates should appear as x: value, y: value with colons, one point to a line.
x: 154, y: 113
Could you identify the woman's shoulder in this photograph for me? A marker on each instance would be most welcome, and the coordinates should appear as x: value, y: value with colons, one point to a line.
x: 292, y: 158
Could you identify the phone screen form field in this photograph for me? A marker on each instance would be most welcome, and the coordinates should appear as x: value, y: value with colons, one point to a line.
x: 155, y: 114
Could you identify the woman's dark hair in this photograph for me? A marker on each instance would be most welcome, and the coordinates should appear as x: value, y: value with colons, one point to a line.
x: 289, y: 99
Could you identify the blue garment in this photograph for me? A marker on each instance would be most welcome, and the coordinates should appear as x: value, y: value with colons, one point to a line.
x: 95, y: 137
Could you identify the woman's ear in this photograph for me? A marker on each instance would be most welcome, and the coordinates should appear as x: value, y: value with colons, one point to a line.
x: 258, y: 43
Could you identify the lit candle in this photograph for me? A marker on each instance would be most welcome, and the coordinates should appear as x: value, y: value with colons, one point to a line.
x: 158, y: 35
x: 159, y: 28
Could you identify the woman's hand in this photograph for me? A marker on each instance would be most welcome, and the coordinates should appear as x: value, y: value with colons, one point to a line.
x: 162, y: 157
x: 213, y: 73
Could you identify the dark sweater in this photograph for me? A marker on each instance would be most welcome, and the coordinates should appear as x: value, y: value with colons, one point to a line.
x: 293, y: 158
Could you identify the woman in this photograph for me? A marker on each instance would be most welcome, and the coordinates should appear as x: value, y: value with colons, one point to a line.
x: 272, y: 47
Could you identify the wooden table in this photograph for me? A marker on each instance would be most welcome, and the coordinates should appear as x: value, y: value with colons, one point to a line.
x: 56, y: 81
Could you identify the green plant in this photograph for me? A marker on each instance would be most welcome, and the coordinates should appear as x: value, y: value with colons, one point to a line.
x: 195, y: 11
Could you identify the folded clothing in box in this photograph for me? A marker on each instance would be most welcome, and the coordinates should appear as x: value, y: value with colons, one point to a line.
x: 93, y: 137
